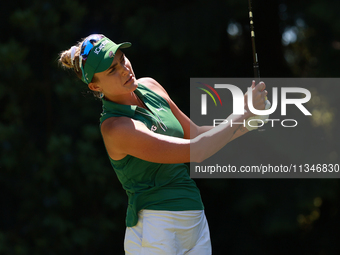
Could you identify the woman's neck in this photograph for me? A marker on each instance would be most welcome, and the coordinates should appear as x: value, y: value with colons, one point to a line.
x: 128, y: 99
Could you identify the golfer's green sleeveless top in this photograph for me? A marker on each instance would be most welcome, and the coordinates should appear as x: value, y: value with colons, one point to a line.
x: 150, y: 185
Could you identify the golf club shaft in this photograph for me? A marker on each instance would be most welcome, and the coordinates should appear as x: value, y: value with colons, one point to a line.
x: 256, y: 65
x: 252, y: 33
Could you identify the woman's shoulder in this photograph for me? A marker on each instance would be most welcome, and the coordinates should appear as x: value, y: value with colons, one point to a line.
x: 114, y: 125
x: 148, y: 81
x: 155, y: 86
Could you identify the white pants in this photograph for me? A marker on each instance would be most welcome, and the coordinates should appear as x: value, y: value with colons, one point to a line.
x: 168, y: 233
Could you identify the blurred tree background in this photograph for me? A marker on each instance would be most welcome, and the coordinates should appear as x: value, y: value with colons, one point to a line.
x: 59, y: 194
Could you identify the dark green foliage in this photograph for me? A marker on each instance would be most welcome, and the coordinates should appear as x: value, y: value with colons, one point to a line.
x: 58, y: 192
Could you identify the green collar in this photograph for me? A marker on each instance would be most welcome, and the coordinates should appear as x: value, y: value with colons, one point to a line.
x: 121, y: 109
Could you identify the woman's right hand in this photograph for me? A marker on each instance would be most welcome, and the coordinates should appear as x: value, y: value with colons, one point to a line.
x: 259, y: 95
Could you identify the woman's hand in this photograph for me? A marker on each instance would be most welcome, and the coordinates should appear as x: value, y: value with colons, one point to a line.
x: 259, y: 97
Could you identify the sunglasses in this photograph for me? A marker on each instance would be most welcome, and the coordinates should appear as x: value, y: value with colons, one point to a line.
x: 86, y: 47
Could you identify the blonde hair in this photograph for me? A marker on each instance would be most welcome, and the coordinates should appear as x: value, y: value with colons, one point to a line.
x: 65, y: 59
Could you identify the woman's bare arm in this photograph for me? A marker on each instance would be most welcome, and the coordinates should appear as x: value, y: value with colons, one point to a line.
x: 123, y: 136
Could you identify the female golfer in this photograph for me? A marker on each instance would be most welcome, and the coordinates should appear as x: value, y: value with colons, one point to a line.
x: 148, y: 140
